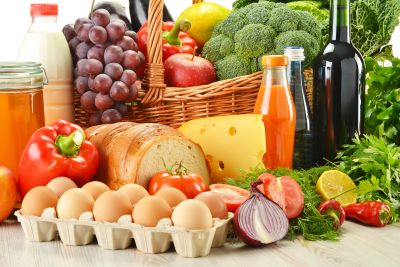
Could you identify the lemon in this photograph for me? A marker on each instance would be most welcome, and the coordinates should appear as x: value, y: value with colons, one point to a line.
x: 334, y: 183
x: 203, y: 18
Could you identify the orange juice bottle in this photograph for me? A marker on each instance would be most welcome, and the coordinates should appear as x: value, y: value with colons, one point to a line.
x: 275, y: 103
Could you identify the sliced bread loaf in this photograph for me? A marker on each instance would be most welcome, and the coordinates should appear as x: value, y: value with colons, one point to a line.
x: 131, y: 152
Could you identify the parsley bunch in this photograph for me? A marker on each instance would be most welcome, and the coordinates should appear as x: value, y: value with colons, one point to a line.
x: 383, y: 100
x: 374, y: 165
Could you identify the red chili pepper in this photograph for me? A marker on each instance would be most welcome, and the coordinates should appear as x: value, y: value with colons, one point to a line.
x: 174, y: 39
x: 373, y: 213
x: 333, y: 208
x: 57, y: 150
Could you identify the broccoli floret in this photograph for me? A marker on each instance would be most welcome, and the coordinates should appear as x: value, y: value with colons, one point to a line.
x: 234, y: 22
x: 242, y: 3
x: 298, y: 38
x: 232, y: 66
x: 253, y: 40
x: 256, y: 64
x: 284, y: 19
x: 309, y: 24
x: 218, y: 47
x: 258, y: 12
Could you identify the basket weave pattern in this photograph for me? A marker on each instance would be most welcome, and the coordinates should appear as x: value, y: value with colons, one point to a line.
x: 173, y: 105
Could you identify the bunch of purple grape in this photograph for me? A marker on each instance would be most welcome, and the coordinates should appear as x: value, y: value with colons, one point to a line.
x: 106, y: 57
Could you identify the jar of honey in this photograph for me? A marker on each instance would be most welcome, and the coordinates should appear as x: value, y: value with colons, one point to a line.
x: 21, y: 108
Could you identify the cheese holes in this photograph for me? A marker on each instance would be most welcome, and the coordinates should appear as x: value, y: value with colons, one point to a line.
x: 221, y: 165
x: 232, y: 131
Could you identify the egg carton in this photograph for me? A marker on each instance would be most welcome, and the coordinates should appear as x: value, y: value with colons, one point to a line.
x: 187, y: 243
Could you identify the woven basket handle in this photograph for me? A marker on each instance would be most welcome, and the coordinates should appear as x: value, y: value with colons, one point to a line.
x: 153, y: 80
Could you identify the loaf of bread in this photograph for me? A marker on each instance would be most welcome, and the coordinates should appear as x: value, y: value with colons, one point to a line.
x: 133, y: 153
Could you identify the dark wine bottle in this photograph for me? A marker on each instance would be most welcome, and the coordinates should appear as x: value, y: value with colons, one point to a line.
x: 303, y: 139
x: 339, y: 87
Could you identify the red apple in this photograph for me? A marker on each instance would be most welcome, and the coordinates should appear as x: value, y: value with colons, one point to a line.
x: 185, y: 70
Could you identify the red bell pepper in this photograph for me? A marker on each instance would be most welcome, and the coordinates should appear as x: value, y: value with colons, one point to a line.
x: 174, y: 39
x: 333, y: 208
x: 373, y: 213
x: 57, y: 150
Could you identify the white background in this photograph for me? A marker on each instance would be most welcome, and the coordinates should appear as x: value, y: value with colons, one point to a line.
x: 15, y: 20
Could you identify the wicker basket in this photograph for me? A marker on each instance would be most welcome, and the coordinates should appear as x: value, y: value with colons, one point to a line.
x: 173, y: 105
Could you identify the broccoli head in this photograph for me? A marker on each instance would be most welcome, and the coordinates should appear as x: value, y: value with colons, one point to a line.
x: 253, y: 40
x: 298, y: 38
x: 257, y: 28
x: 232, y: 66
x: 234, y: 22
x: 218, y: 47
x: 284, y: 19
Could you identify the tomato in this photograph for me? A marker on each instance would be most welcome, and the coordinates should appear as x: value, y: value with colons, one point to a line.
x: 233, y: 196
x: 284, y: 191
x: 190, y: 184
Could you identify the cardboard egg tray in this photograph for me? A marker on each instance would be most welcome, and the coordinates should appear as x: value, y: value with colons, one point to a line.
x: 187, y: 243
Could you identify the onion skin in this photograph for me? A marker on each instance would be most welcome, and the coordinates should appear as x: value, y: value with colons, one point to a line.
x: 277, y: 210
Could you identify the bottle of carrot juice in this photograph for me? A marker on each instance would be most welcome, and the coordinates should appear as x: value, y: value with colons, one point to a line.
x: 275, y: 103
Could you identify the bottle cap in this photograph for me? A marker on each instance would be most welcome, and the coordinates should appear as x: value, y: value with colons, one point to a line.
x: 294, y: 52
x: 274, y: 61
x: 38, y: 10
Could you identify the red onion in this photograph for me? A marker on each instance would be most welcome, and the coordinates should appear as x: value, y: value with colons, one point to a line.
x: 259, y: 221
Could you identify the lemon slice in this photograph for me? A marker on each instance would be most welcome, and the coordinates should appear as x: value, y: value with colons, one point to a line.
x: 333, y: 183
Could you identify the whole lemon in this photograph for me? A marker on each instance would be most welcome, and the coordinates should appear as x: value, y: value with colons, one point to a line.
x: 203, y: 18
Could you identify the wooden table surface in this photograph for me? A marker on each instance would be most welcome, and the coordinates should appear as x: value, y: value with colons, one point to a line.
x: 358, y: 246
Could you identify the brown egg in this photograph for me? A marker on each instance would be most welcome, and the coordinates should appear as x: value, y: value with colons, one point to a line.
x: 134, y: 192
x: 110, y: 206
x: 149, y: 210
x: 38, y: 199
x: 192, y: 214
x: 95, y: 188
x: 172, y: 195
x: 73, y: 203
x: 61, y: 184
x: 215, y: 203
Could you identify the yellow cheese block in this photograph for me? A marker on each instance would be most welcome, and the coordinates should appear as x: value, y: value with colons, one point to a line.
x: 231, y: 143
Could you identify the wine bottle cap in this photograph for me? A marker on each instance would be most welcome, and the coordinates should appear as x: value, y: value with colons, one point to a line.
x: 44, y: 10
x: 294, y: 52
x: 274, y: 60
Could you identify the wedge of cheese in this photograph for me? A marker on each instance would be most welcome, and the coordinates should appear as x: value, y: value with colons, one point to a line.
x: 232, y: 144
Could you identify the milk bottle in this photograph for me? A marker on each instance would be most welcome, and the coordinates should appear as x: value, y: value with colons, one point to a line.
x: 46, y: 44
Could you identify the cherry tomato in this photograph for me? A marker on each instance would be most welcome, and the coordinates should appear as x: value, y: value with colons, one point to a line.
x: 233, y: 196
x: 190, y: 184
x: 284, y: 191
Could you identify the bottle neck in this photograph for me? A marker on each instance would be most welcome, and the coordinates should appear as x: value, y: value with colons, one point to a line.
x: 44, y: 19
x: 340, y: 21
x: 276, y: 76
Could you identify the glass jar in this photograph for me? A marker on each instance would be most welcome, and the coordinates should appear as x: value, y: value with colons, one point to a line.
x: 21, y: 108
